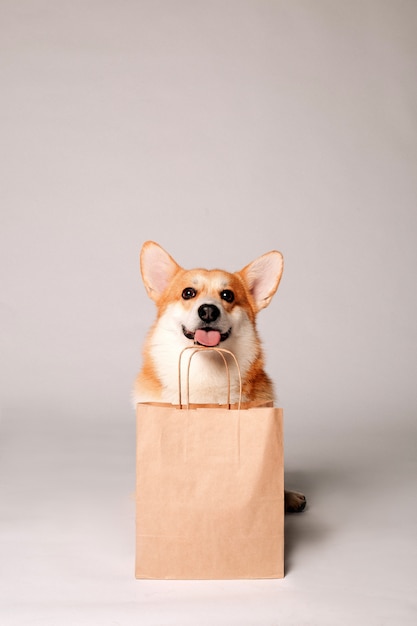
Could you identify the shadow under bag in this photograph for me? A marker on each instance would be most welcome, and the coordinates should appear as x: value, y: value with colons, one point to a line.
x: 209, y: 490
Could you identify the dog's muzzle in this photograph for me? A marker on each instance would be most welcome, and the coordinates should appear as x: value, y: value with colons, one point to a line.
x: 206, y: 336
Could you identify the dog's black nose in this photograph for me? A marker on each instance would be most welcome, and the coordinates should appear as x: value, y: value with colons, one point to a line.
x: 208, y: 313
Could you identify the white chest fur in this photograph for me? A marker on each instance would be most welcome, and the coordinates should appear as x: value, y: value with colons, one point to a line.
x: 208, y: 382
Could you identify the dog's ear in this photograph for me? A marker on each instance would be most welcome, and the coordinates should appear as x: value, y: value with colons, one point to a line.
x: 157, y: 267
x: 262, y: 277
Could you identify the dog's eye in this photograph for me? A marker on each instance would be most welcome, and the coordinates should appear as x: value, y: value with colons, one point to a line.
x: 227, y: 295
x: 189, y: 293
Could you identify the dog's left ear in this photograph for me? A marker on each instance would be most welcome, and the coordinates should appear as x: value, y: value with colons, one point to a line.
x: 158, y: 268
x: 262, y: 277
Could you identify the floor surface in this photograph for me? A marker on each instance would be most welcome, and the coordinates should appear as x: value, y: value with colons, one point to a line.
x: 67, y: 534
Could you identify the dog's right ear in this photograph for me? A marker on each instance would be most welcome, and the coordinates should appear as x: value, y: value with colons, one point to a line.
x: 157, y: 267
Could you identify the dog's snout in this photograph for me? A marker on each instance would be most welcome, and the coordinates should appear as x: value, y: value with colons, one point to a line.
x: 208, y: 313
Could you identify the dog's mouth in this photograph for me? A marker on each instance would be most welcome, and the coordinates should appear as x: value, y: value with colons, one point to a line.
x: 208, y: 337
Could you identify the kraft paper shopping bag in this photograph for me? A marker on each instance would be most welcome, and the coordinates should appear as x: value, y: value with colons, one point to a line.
x: 210, y: 492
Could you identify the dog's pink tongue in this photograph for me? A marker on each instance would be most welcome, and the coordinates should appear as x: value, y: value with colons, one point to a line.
x: 208, y: 338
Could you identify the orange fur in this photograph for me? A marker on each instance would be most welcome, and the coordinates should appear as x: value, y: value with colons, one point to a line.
x: 165, y: 281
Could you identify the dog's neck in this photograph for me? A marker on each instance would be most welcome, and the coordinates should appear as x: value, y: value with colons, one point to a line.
x: 208, y: 380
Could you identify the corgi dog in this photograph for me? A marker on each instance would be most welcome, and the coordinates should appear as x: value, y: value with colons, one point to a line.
x: 210, y: 308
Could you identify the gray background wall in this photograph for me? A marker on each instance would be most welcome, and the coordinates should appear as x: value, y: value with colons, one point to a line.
x: 221, y: 130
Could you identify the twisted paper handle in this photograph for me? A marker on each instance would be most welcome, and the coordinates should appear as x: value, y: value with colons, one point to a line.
x: 221, y: 352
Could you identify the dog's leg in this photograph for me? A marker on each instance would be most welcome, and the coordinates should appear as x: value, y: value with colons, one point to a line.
x: 295, y: 502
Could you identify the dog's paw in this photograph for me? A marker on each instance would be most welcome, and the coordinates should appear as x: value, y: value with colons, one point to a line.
x: 294, y: 502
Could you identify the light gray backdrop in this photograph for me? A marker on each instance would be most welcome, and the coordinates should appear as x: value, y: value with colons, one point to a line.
x: 221, y: 130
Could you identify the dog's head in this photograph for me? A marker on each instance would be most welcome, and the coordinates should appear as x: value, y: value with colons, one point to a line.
x: 208, y: 307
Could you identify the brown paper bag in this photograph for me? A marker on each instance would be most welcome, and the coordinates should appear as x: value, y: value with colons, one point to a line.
x: 210, y: 492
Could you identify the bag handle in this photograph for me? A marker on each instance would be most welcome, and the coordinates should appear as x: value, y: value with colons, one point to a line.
x: 221, y: 352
